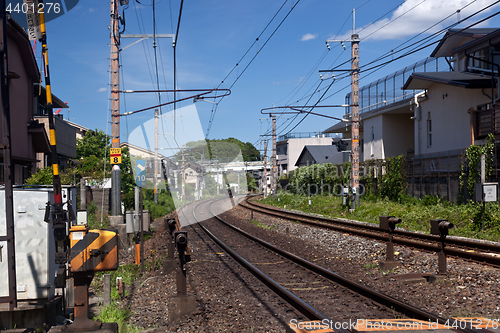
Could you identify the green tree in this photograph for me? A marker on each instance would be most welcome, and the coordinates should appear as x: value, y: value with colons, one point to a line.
x: 94, y: 143
x: 251, y: 182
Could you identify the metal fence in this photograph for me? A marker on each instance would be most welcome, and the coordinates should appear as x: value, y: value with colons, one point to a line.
x: 435, y: 174
x: 305, y: 135
x: 389, y: 90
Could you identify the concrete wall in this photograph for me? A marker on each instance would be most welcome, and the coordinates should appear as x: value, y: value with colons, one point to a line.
x: 295, y: 147
x: 373, y: 149
x: 97, y: 197
x: 448, y: 106
x: 398, y: 134
x: 393, y: 136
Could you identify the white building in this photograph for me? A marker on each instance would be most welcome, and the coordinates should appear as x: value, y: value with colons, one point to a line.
x: 290, y: 146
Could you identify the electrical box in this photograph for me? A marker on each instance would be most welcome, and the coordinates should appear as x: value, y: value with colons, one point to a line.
x: 132, y: 221
x: 93, y: 250
x: 487, y: 190
x: 34, y: 243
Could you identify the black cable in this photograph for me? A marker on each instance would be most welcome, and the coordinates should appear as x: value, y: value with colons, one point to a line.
x: 430, y: 44
x: 214, y: 109
x: 146, y: 55
x: 381, y: 17
x: 376, y: 68
x: 393, y: 20
x: 156, y: 56
x: 387, y: 54
x: 175, y: 56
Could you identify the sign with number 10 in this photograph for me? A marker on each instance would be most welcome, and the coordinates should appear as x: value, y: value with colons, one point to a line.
x: 140, y: 177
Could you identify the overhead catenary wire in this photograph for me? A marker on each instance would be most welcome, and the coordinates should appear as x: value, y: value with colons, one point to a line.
x: 214, y: 109
x: 377, y: 67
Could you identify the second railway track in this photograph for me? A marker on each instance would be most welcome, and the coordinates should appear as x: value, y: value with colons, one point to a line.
x: 322, y: 293
x: 481, y: 252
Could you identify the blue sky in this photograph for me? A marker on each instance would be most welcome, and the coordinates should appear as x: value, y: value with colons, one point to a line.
x: 214, y: 35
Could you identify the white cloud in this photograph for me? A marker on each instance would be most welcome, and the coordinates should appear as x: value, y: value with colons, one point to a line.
x: 414, y: 16
x: 103, y: 89
x: 91, y: 10
x: 307, y: 37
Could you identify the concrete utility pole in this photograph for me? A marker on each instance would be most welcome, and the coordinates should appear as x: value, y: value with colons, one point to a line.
x: 274, y: 173
x: 156, y: 169
x: 355, y: 114
x: 354, y: 111
x: 115, y: 107
x: 265, y: 168
x: 183, y: 193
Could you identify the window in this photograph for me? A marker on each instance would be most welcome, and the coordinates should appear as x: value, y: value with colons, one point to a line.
x: 429, y: 130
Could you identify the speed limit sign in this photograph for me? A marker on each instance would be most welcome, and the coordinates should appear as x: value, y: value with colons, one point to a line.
x: 115, y: 155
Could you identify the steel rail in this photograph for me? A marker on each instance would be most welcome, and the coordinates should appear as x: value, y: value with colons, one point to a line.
x: 401, y: 237
x: 288, y: 296
x: 376, y: 296
x: 388, y: 301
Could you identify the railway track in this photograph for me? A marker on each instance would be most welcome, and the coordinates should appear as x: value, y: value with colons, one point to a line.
x: 315, y: 292
x: 481, y: 252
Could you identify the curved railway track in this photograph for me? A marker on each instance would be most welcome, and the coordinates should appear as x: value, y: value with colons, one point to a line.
x: 315, y: 292
x: 481, y: 252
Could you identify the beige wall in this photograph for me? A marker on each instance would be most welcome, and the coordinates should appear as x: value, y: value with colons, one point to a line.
x: 393, y: 136
x: 400, y: 134
x: 373, y: 149
x: 448, y: 106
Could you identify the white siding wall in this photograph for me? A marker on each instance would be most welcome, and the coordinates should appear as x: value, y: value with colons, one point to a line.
x: 373, y: 149
x: 448, y: 108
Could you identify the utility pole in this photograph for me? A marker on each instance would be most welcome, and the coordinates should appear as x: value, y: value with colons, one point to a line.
x: 274, y: 174
x: 156, y: 170
x: 355, y: 114
x: 183, y: 193
x: 265, y: 168
x: 115, y: 107
x: 354, y: 110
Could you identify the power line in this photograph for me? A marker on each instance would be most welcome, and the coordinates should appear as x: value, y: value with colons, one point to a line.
x: 175, y: 56
x: 377, y: 67
x: 393, y: 20
x: 214, y: 109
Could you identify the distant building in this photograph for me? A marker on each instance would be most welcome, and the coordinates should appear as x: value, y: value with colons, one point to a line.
x: 431, y: 111
x: 290, y: 146
x: 321, y: 154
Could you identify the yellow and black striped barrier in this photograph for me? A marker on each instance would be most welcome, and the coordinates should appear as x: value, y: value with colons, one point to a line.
x: 93, y: 250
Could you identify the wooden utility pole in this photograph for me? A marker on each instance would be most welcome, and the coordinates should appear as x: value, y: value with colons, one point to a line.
x: 115, y: 106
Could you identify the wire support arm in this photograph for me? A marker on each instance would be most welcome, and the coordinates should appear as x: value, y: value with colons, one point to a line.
x: 300, y: 109
x: 200, y: 95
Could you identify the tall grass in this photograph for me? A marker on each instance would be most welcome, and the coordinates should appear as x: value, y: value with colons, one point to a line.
x: 415, y: 213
